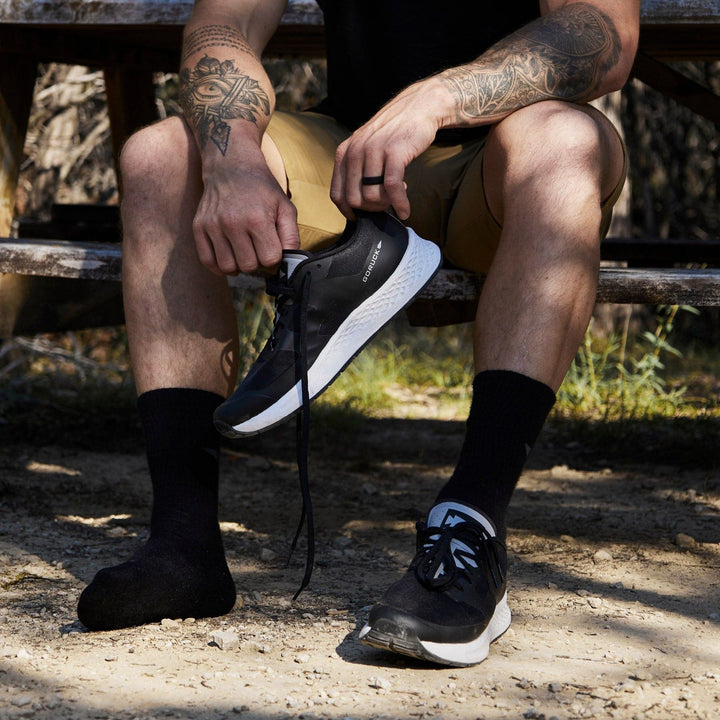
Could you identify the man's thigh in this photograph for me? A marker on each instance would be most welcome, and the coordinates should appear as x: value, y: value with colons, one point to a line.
x: 306, y: 142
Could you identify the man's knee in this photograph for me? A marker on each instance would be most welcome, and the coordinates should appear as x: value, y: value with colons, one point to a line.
x: 552, y: 144
x: 156, y: 159
x: 554, y: 132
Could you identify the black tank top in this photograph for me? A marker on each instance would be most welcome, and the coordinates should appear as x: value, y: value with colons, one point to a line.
x: 375, y: 48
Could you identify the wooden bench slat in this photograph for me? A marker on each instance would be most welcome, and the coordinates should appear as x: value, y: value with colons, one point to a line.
x: 102, y: 261
x: 130, y: 12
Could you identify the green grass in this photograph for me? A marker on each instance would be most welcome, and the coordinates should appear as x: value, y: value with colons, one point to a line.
x: 78, y: 386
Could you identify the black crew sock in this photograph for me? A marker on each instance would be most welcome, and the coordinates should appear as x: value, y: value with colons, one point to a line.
x: 507, y: 413
x: 181, y: 570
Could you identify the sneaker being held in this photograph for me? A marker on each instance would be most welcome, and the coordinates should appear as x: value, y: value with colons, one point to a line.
x: 329, y: 304
x: 452, y: 602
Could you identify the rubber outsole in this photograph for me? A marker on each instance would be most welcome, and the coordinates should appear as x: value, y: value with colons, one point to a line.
x: 357, y: 330
x: 403, y: 642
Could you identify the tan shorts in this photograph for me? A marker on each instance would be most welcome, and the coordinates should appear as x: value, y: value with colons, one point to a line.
x: 445, y: 189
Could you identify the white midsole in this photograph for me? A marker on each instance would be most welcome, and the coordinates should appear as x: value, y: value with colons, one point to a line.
x: 419, y: 262
x: 469, y: 653
x: 476, y: 650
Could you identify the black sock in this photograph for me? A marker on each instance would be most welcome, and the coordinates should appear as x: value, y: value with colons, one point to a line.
x: 507, y: 413
x: 181, y: 570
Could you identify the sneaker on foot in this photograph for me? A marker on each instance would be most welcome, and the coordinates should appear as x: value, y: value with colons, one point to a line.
x: 452, y: 602
x: 329, y: 305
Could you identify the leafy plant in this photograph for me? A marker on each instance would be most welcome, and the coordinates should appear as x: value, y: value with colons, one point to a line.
x: 621, y: 377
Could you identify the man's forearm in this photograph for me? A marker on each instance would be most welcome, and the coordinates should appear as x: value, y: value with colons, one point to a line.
x: 222, y: 80
x: 571, y: 54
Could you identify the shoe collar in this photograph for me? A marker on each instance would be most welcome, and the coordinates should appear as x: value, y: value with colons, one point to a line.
x: 452, y: 512
x: 290, y: 262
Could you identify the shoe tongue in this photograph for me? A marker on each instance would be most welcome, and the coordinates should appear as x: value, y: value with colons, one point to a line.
x: 290, y: 261
x: 451, y: 513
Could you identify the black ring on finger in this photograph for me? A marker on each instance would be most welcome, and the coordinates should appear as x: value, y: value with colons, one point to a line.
x: 373, y: 180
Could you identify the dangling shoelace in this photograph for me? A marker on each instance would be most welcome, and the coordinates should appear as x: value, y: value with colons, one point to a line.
x: 437, y: 565
x: 283, y: 292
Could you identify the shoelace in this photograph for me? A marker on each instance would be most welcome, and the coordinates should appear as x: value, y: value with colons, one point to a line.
x: 284, y: 292
x: 437, y: 566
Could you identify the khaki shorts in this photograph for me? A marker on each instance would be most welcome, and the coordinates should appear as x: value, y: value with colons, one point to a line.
x: 445, y: 189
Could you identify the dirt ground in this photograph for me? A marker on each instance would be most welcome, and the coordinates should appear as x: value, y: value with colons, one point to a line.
x: 614, y: 585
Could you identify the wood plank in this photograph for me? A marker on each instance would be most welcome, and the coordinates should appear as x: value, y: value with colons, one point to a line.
x: 102, y: 261
x: 679, y: 12
x: 60, y: 258
x: 128, y: 12
x: 131, y: 12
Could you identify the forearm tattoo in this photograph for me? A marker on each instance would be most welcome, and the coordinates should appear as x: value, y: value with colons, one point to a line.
x: 563, y: 56
x: 214, y: 36
x: 215, y: 91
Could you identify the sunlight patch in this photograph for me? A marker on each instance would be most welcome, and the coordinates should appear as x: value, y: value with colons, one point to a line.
x: 49, y: 469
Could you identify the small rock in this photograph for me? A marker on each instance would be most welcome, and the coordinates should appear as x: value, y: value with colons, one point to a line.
x: 240, y: 709
x: 116, y: 531
x: 302, y: 659
x: 23, y: 654
x: 569, y: 539
x: 258, y: 462
x: 602, y: 556
x: 267, y: 555
x: 225, y: 639
x: 169, y: 623
x: 21, y: 700
x: 369, y: 489
x: 555, y: 687
x: 595, y: 602
x: 254, y: 646
x: 111, y: 658
x: 684, y: 541
x: 342, y: 541
x: 641, y: 675
x: 380, y: 683
x: 582, y: 592
x: 533, y: 714
x: 714, y: 616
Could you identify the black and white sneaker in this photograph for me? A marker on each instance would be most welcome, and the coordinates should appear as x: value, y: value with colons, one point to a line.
x: 329, y: 305
x: 452, y: 602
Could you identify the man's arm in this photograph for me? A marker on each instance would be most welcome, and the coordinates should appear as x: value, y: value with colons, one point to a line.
x: 243, y: 219
x: 576, y: 51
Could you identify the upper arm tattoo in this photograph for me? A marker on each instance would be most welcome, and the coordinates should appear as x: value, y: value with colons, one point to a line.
x: 563, y: 55
x: 215, y: 91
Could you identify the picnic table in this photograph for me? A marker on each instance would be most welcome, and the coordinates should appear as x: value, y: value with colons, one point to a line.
x: 132, y: 39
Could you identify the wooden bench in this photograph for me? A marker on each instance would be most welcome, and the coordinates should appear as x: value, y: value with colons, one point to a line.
x: 129, y: 39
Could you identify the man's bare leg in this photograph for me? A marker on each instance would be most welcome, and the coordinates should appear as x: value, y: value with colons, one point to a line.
x: 547, y: 169
x: 183, y: 345
x: 556, y: 162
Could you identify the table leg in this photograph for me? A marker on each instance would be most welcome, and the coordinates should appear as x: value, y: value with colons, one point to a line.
x: 131, y: 102
x: 17, y: 82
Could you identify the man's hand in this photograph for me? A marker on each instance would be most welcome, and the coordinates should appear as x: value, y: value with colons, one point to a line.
x: 382, y: 149
x: 244, y: 220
